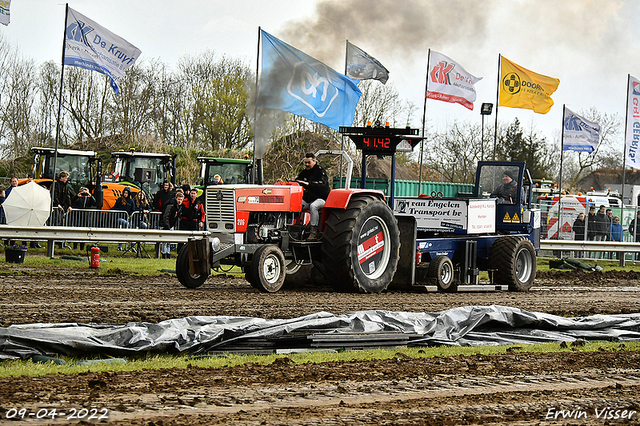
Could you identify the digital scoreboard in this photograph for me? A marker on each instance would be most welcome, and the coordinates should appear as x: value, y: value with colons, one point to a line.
x: 382, y: 140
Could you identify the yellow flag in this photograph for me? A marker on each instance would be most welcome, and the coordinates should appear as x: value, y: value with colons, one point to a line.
x: 521, y: 88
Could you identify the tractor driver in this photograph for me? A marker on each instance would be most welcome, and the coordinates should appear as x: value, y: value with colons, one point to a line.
x: 506, y: 192
x: 315, y: 182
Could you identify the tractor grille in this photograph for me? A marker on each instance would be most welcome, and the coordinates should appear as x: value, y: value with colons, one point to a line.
x: 221, y: 210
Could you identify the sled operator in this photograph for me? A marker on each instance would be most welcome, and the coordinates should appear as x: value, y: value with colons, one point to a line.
x: 506, y: 192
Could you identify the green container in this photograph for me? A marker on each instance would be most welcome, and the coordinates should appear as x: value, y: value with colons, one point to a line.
x: 409, y: 188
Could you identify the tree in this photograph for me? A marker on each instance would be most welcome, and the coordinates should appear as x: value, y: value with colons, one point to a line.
x: 219, y: 92
x: 47, y: 105
x: 85, y: 99
x: 131, y: 112
x: 514, y: 145
x: 454, y: 153
x: 18, y: 100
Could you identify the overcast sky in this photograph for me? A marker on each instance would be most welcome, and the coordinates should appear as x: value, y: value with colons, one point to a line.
x: 590, y: 45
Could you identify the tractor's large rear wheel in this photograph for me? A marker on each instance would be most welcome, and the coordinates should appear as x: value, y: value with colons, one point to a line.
x: 186, y: 278
x: 361, y: 245
x: 514, y: 259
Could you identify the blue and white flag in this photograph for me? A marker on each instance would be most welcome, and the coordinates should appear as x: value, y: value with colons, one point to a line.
x: 95, y: 48
x: 295, y: 82
x: 4, y: 11
x: 579, y: 133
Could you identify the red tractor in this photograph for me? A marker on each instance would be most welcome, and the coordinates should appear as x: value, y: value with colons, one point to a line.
x: 261, y: 228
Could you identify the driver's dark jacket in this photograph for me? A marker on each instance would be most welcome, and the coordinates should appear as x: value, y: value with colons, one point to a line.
x: 318, y: 183
x: 506, y: 191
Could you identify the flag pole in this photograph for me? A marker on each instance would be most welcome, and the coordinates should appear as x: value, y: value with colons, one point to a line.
x: 55, y: 151
x: 424, y: 120
x: 495, y: 130
x: 255, y: 111
x: 624, y: 149
x: 346, y: 60
x: 564, y: 110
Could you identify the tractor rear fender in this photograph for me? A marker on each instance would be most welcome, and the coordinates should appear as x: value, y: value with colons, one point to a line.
x: 339, y: 199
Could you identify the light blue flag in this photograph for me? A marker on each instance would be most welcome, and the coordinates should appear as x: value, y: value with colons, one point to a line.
x: 95, y: 48
x: 295, y: 82
x: 579, y: 133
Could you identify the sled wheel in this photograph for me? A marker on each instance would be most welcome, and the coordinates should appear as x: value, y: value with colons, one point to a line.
x: 514, y: 258
x: 361, y: 245
x: 441, y: 271
x: 268, y: 269
x: 186, y: 278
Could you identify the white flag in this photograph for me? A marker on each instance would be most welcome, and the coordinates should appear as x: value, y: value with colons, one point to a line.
x: 579, y: 134
x: 449, y: 82
x: 633, y: 124
x: 4, y: 11
x: 92, y: 47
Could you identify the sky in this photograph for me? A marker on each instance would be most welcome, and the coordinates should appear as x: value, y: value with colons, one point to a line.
x: 590, y: 45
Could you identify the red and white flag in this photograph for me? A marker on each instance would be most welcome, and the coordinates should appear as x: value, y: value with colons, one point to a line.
x: 632, y: 144
x: 449, y: 82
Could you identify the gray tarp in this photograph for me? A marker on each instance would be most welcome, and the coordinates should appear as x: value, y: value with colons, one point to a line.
x: 470, y: 325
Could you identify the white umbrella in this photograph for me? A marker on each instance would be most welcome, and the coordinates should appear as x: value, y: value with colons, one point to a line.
x: 27, y: 205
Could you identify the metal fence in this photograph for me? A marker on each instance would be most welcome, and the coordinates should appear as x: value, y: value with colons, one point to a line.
x: 557, y: 224
x: 105, y: 219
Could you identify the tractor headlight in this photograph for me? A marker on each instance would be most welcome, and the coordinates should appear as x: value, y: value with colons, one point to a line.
x: 215, y: 244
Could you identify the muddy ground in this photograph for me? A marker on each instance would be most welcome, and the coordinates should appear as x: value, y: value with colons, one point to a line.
x: 515, y: 388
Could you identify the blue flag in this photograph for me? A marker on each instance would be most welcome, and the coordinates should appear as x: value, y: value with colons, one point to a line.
x: 295, y: 82
x: 579, y: 133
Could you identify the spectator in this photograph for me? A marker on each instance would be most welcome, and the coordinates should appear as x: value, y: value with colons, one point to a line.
x: 634, y: 231
x: 2, y: 198
x: 62, y: 193
x: 124, y: 203
x: 609, y: 215
x: 14, y: 183
x: 83, y: 201
x: 315, y: 182
x: 602, y: 226
x: 578, y: 229
x: 615, y: 233
x: 591, y: 226
x: 171, y: 220
x: 163, y: 196
x: 192, y: 213
x: 142, y: 207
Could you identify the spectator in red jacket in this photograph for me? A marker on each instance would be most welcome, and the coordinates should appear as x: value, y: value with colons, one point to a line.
x: 192, y: 213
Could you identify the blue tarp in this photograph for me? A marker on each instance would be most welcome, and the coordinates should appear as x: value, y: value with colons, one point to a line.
x: 470, y: 325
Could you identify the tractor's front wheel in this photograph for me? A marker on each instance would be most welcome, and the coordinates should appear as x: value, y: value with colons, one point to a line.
x: 268, y: 269
x: 361, y: 245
